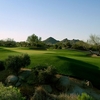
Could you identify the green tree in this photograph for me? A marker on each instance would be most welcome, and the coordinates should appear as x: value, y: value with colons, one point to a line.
x: 8, y: 43
x: 22, y: 44
x: 33, y: 40
x: 2, y: 42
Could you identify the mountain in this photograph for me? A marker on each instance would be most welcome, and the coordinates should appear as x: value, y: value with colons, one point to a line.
x: 74, y: 41
x: 65, y: 40
x: 50, y: 40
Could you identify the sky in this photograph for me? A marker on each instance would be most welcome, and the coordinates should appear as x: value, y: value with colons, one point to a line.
x: 71, y: 19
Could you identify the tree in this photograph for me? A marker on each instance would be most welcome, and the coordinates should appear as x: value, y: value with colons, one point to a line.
x: 33, y: 40
x: 95, y: 40
x: 2, y: 43
x: 80, y: 45
x: 8, y: 43
x: 22, y: 44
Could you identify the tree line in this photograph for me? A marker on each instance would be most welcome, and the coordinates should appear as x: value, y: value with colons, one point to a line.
x: 35, y: 42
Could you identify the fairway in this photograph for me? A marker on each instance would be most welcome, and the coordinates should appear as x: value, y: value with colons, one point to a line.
x: 67, y: 62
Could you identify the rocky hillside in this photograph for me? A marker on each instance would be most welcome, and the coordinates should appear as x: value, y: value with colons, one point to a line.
x: 51, y: 40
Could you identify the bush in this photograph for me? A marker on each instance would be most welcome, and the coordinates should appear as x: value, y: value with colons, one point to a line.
x: 41, y: 75
x: 84, y: 96
x: 10, y: 93
x: 14, y: 63
x: 67, y: 97
x: 27, y: 91
x: 41, y: 94
x: 2, y: 66
x: 47, y: 75
x: 25, y: 60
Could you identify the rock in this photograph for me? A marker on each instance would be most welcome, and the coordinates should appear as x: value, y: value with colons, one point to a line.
x: 18, y: 84
x: 63, y: 83
x: 76, y: 90
x: 11, y: 80
x: 47, y: 88
x: 24, y: 75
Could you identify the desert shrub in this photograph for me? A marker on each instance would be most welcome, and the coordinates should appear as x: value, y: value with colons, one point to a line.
x: 27, y: 90
x: 4, y: 74
x: 25, y: 60
x: 41, y: 94
x: 42, y: 74
x: 32, y: 79
x: 47, y: 75
x: 14, y: 63
x: 84, y: 96
x: 67, y: 97
x: 2, y: 65
x: 10, y: 93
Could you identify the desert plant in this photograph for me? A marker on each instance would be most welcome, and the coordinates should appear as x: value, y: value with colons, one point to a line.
x: 67, y: 97
x: 10, y: 93
x: 42, y: 74
x: 25, y: 60
x: 48, y: 73
x: 2, y: 65
x: 45, y: 74
x: 27, y: 90
x: 84, y: 96
x: 14, y: 63
x: 41, y: 94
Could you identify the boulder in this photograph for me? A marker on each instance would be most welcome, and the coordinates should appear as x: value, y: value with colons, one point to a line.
x: 47, y: 88
x: 18, y: 84
x: 11, y: 80
x: 24, y: 75
x: 63, y: 83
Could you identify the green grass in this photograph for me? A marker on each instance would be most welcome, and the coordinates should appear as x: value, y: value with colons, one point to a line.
x: 68, y: 62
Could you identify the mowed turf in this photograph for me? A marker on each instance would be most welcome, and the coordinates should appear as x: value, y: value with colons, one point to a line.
x: 67, y: 62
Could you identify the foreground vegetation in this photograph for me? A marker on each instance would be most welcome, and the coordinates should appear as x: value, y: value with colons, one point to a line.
x: 68, y: 62
x: 11, y: 93
x: 40, y: 75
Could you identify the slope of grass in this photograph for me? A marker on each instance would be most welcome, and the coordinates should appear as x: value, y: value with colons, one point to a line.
x: 68, y: 62
x: 4, y: 53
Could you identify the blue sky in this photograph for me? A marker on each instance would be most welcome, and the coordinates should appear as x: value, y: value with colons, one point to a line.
x: 72, y: 19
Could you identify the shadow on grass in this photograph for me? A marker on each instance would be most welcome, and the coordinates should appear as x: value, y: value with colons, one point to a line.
x: 49, y: 53
x: 4, y: 50
x: 81, y: 70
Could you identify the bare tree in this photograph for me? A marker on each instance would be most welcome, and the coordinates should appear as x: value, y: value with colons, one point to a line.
x: 95, y: 40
